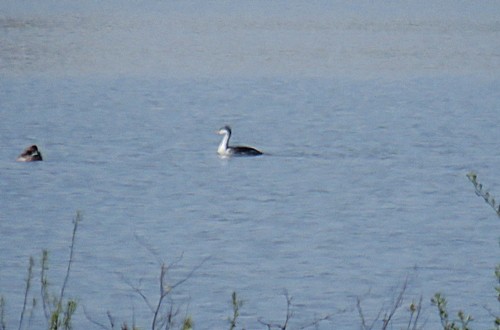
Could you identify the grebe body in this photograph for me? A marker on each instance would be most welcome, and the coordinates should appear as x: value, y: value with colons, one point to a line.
x: 226, y: 151
x: 30, y: 154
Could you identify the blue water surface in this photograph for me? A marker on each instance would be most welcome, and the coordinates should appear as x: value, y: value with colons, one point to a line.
x: 362, y: 186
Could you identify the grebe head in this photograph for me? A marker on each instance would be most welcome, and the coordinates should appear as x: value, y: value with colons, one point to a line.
x: 224, y: 130
x: 30, y: 154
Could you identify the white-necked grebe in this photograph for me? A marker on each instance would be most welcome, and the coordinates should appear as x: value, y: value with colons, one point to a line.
x: 30, y: 154
x: 226, y: 150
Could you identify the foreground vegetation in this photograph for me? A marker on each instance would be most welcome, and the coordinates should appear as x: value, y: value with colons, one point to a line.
x: 59, y: 310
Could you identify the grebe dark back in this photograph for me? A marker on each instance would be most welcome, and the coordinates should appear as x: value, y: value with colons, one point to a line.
x: 30, y: 154
x: 226, y: 150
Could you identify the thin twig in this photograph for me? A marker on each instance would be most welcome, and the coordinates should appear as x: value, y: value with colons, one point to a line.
x: 164, y: 288
x: 77, y: 219
x: 288, y: 316
x: 478, y: 188
x: 289, y: 312
x: 27, y: 290
x: 2, y: 314
x: 148, y: 247
x: 100, y: 325
x: 44, y: 284
x: 139, y: 292
x: 111, y: 319
x: 363, y: 320
x: 163, y: 294
x: 419, y: 309
x: 396, y: 305
x: 32, y: 313
x: 360, y: 312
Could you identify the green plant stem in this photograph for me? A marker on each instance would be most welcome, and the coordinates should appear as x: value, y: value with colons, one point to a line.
x: 27, y: 290
x: 2, y: 314
x: 77, y: 219
x: 478, y: 187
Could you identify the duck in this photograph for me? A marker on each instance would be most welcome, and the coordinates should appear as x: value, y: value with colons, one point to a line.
x: 30, y: 154
x: 225, y: 150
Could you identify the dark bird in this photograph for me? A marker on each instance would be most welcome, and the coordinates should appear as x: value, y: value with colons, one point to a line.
x: 30, y: 154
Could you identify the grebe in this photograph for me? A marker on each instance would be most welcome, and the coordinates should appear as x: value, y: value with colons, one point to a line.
x: 225, y: 150
x: 30, y: 154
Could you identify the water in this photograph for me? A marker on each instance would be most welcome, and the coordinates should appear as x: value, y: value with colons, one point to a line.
x: 370, y: 116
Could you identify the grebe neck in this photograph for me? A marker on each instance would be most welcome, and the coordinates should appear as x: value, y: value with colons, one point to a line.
x: 223, y: 150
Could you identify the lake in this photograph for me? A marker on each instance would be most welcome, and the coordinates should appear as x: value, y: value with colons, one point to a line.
x: 370, y: 116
